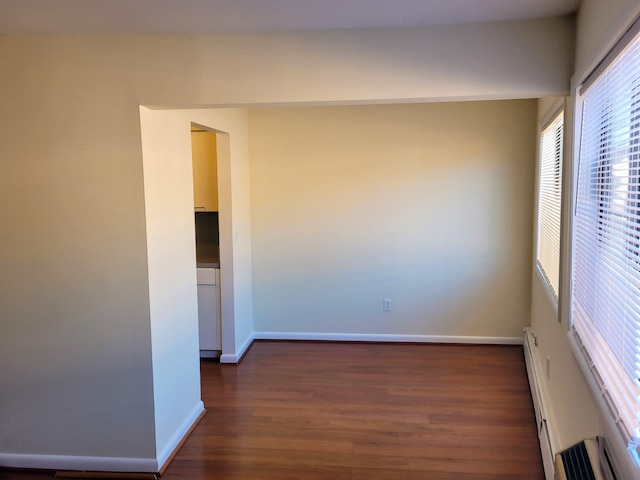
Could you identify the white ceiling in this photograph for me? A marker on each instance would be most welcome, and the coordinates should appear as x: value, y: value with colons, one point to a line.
x: 209, y: 16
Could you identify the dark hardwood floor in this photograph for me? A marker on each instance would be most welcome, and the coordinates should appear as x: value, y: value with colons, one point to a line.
x: 302, y: 410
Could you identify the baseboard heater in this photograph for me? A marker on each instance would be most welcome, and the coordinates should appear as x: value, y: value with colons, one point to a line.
x: 586, y: 460
x: 547, y: 446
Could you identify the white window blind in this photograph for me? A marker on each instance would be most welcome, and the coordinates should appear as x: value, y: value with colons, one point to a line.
x: 549, y: 201
x: 606, y: 234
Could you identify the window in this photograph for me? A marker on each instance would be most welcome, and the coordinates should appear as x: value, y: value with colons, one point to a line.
x: 605, y: 299
x: 549, y: 201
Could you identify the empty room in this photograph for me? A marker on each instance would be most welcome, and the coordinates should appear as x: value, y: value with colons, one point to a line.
x: 410, y: 250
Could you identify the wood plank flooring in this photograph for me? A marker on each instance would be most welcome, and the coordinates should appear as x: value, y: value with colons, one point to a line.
x: 304, y: 410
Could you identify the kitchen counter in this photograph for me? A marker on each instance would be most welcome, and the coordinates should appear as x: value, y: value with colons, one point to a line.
x: 207, y: 256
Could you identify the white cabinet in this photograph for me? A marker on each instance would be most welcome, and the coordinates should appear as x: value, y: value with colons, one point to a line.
x: 209, y: 312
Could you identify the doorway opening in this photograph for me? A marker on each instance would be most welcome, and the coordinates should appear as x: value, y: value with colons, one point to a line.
x: 206, y: 222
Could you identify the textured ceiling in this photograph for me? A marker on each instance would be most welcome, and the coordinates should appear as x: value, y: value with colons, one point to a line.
x: 210, y: 16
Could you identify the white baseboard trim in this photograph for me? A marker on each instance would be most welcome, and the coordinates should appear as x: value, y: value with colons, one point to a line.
x: 375, y: 337
x: 68, y: 462
x: 235, y: 357
x: 102, y: 464
x: 179, y: 435
x: 366, y: 337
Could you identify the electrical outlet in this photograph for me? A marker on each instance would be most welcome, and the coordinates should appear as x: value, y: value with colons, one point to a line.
x: 386, y: 304
x: 548, y: 368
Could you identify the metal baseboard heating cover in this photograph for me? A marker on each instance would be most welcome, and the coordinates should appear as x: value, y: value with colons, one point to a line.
x: 577, y: 464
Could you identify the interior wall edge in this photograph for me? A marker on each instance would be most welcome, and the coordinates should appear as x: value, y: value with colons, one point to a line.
x: 181, y: 434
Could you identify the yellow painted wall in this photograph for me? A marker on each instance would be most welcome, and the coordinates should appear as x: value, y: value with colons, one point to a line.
x: 427, y: 204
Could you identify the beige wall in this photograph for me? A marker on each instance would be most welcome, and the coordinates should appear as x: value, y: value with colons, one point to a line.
x: 75, y: 344
x: 599, y: 25
x: 427, y: 204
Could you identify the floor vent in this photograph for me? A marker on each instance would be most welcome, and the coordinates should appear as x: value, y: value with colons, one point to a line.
x: 576, y: 464
x: 587, y: 460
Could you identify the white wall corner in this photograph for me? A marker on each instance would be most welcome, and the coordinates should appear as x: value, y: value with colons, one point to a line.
x: 239, y: 353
